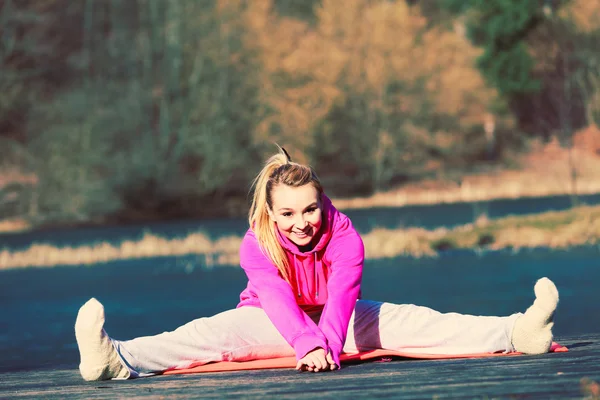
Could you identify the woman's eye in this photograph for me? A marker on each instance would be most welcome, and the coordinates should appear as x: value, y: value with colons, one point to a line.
x: 287, y: 214
x: 311, y: 210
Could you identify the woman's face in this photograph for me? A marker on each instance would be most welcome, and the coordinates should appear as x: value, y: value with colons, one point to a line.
x: 297, y: 212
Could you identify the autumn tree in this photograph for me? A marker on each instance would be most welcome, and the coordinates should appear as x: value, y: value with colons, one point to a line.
x: 370, y: 92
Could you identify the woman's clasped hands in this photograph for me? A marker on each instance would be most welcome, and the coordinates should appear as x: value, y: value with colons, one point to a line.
x: 316, y: 360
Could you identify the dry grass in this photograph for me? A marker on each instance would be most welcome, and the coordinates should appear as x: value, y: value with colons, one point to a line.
x: 545, y: 171
x: 385, y: 243
x: 223, y: 251
x: 502, y: 185
x: 14, y: 225
x: 558, y: 230
x: 15, y: 175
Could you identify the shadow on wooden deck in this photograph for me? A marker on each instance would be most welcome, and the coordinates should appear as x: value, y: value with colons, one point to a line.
x: 571, y: 375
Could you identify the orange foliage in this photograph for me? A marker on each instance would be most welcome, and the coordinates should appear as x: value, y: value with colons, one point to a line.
x: 584, y: 13
x: 365, y: 46
x: 454, y: 83
x: 588, y: 139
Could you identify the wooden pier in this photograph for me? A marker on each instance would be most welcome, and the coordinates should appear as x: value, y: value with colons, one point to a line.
x: 571, y: 375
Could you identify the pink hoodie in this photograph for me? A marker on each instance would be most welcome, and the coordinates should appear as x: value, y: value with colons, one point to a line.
x: 329, y: 275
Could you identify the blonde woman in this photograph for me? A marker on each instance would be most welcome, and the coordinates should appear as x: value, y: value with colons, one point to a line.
x: 304, y: 261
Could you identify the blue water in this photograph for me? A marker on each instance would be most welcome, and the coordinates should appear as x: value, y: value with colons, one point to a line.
x: 365, y: 220
x: 449, y: 215
x: 144, y: 297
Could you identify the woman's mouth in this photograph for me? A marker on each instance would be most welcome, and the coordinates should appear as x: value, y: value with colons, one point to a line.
x: 301, y: 235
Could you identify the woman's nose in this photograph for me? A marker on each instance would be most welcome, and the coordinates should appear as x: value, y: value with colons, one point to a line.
x: 301, y: 222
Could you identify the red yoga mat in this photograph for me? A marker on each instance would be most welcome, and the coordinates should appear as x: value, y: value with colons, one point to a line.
x: 365, y: 356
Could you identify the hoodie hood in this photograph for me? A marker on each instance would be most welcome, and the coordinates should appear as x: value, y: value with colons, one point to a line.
x: 309, y: 274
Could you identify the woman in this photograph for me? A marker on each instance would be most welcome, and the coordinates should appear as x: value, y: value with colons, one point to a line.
x: 304, y: 261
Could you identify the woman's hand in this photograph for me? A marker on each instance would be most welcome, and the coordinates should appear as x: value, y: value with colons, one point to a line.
x: 316, y: 360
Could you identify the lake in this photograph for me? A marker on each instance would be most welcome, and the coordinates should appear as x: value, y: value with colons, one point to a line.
x: 143, y: 297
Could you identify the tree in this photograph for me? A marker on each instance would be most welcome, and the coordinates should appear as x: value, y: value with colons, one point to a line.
x: 583, y: 17
x: 510, y: 34
x: 391, y: 121
x: 158, y: 122
x: 501, y: 27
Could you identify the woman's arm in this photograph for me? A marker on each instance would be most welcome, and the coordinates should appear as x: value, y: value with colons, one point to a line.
x: 346, y: 253
x: 277, y: 299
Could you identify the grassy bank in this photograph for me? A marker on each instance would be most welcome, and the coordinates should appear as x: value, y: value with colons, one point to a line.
x: 14, y: 225
x: 547, y: 170
x: 559, y: 230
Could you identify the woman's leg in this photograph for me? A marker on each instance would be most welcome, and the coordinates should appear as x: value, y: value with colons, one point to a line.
x: 240, y: 334
x: 415, y: 329
x: 236, y: 335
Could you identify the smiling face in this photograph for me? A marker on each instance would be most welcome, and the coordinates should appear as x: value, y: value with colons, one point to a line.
x: 297, y: 212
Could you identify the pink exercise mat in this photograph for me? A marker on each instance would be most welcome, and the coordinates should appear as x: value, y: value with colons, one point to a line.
x: 365, y: 356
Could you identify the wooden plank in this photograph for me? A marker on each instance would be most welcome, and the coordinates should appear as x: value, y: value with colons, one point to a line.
x: 546, y: 376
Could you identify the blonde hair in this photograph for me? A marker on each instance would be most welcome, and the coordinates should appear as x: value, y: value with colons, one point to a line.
x: 279, y: 169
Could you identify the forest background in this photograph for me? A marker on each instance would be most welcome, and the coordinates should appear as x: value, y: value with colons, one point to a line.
x: 117, y: 112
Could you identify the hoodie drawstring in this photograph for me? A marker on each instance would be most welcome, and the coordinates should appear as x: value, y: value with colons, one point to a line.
x: 316, y: 276
x: 296, y: 275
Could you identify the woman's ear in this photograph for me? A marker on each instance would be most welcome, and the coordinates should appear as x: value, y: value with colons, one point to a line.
x: 271, y: 214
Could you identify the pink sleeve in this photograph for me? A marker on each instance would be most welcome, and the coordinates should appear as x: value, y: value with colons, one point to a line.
x: 277, y: 299
x: 343, y: 286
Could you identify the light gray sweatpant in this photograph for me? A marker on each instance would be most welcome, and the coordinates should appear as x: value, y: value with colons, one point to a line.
x: 246, y: 333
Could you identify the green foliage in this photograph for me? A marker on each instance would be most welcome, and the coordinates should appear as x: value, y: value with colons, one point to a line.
x: 500, y: 27
x: 301, y: 9
x: 509, y: 70
x: 13, y: 90
x: 583, y: 24
x: 344, y: 147
x: 152, y: 131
